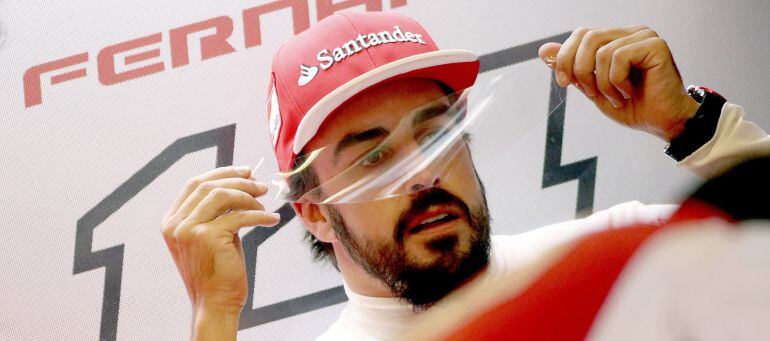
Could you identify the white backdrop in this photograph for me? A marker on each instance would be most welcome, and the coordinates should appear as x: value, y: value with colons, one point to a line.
x: 90, y: 164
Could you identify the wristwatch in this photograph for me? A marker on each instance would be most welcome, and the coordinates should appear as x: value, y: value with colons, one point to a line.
x: 700, y: 128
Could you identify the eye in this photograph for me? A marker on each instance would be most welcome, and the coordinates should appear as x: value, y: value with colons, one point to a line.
x: 375, y: 157
x: 431, y: 135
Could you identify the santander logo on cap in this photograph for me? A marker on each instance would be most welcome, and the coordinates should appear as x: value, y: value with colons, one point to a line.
x: 306, y: 74
x: 342, y: 55
x: 327, y: 58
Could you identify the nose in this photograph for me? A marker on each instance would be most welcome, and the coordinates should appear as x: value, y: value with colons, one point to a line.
x: 429, y: 175
x: 422, y: 181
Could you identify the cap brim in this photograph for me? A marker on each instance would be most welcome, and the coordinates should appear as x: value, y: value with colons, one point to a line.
x: 457, y: 69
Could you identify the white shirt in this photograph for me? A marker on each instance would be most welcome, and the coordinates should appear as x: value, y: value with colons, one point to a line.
x: 385, y: 318
x: 378, y: 318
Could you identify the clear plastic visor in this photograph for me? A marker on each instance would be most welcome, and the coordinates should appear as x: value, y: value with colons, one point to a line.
x: 402, y: 153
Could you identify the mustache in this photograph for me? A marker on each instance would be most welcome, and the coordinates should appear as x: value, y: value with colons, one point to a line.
x: 422, y: 201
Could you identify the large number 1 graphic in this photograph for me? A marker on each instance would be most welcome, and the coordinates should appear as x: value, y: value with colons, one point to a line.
x: 111, y: 259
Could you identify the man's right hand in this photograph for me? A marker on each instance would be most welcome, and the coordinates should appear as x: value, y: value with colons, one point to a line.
x: 201, y: 231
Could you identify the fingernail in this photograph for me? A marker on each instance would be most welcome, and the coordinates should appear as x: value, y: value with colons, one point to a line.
x: 242, y: 169
x: 261, y: 186
x: 562, y: 78
x: 587, y: 90
x: 614, y: 103
x: 275, y: 215
x: 550, y: 61
x: 623, y: 92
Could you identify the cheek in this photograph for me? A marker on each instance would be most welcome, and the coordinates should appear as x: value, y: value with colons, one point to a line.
x: 373, y: 220
x: 462, y: 181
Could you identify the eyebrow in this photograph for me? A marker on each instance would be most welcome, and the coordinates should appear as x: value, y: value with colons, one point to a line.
x: 430, y: 113
x: 355, y: 138
x: 375, y: 133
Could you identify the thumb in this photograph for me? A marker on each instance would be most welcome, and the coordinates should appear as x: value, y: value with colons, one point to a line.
x: 547, y: 53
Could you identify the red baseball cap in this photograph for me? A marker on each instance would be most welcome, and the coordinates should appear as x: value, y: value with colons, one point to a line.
x: 320, y: 69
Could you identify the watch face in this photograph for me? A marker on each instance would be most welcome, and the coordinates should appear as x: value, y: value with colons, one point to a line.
x: 698, y: 93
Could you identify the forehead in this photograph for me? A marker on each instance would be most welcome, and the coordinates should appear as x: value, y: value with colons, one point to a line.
x: 379, y: 106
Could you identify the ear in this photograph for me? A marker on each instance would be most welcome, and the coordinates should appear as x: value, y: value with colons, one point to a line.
x: 316, y: 221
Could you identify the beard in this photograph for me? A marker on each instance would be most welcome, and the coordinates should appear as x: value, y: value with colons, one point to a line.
x: 422, y: 285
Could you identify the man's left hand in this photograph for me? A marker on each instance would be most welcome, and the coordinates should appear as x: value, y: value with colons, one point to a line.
x: 629, y: 73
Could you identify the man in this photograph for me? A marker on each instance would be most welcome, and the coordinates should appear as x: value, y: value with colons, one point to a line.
x: 701, y: 275
x: 344, y: 85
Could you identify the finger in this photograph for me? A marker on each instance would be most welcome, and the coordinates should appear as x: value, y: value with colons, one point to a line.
x: 547, y: 53
x: 585, y: 57
x: 650, y: 51
x: 234, y: 220
x: 604, y: 61
x: 170, y: 237
x: 220, y: 200
x: 618, y: 74
x: 181, y: 265
x: 173, y: 228
x: 193, y: 183
x: 255, y: 189
x: 566, y: 56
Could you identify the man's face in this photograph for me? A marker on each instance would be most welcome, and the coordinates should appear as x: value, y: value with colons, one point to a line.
x: 424, y: 244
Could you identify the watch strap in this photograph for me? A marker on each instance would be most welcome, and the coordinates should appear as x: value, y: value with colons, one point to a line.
x: 701, y: 127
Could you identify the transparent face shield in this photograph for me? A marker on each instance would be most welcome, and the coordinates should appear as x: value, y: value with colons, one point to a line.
x: 404, y: 152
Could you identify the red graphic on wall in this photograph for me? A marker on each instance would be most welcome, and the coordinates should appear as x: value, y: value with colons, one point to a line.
x: 152, y: 47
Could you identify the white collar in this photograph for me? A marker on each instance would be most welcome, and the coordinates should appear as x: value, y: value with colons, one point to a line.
x: 373, y: 302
